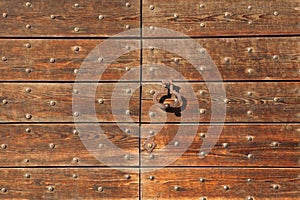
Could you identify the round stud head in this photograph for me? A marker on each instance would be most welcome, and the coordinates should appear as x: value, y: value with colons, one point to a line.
x: 227, y: 14
x: 201, y: 6
x: 127, y: 26
x: 151, y: 177
x: 249, y: 50
x: 250, y: 155
x: 28, y: 4
x: 3, y: 146
x: 203, y: 198
x: 51, y: 145
x: 100, y: 189
x: 167, y: 106
x: 75, y: 176
x: 177, y: 188
x: 75, y: 160
x: 52, y: 17
x: 225, y: 145
x: 151, y: 156
x: 176, y: 15
x: 127, y: 4
x: 28, y: 71
x: 52, y: 103
x: 76, y: 48
x: 250, y: 198
x: 152, y: 92
x: 202, y: 135
x: 249, y: 112
x: 202, y: 25
x: 4, y: 58
x: 202, y: 111
x: 151, y: 7
x: 275, y: 186
x: 127, y: 157
x: 4, y: 15
x: 76, y: 71
x: 28, y: 116
x: 4, y: 101
x: 100, y: 17
x: 201, y: 180
x: 52, y: 60
x: 101, y: 146
x: 127, y: 112
x: 176, y: 144
x: 274, y: 144
x: 127, y: 130
x: 26, y: 160
x: 152, y: 114
x: 249, y: 7
x: 28, y: 45
x: 28, y: 90
x: 250, y: 138
x: 51, y: 188
x: 27, y: 130
x: 276, y: 13
x: 76, y: 5
x: 75, y: 132
x: 101, y: 101
x: 226, y: 187
x: 27, y: 175
x: 227, y: 60
x: 28, y: 26
x: 127, y: 69
x: 3, y: 190
x: 127, y: 176
x: 76, y: 114
x: 276, y: 99
x: 76, y: 29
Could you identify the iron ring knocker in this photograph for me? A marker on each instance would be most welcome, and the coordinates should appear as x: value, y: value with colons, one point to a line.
x: 165, y: 106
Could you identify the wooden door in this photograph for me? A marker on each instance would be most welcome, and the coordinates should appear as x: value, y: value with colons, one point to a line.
x: 87, y: 110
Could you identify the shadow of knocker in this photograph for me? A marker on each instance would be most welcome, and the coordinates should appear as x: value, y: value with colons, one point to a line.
x: 177, y: 105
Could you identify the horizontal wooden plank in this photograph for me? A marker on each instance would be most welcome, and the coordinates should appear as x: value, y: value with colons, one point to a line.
x: 68, y: 18
x: 68, y: 102
x: 221, y: 183
x: 244, y: 102
x: 235, y: 58
x: 64, y: 183
x: 237, y: 145
x: 68, y: 145
x: 64, y: 60
x: 220, y: 18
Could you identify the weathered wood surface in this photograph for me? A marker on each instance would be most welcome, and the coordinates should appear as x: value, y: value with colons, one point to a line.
x: 71, y: 57
x: 265, y: 145
x: 68, y: 18
x: 52, y: 102
x: 248, y: 59
x: 244, y: 101
x: 61, y: 144
x: 220, y: 18
x: 262, y: 185
x: 68, y: 183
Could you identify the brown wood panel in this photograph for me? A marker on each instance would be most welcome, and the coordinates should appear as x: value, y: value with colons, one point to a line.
x: 238, y: 145
x: 184, y: 183
x: 70, y: 183
x: 63, y: 60
x: 52, y: 102
x: 244, y: 101
x: 62, y: 144
x: 68, y: 18
x: 248, y: 59
x: 220, y: 18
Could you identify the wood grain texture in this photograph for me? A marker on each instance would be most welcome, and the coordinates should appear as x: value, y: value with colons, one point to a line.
x: 223, y: 18
x: 114, y: 183
x: 19, y: 63
x: 58, y: 144
x: 37, y: 102
x: 244, y: 101
x: 248, y: 59
x: 269, y: 145
x: 67, y: 17
x: 190, y: 187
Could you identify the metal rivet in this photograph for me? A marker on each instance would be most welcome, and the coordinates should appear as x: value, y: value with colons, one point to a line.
x: 152, y: 69
x: 276, y: 99
x: 28, y: 90
x: 151, y: 7
x: 26, y: 160
x: 202, y: 154
x: 27, y: 70
x: 75, y: 160
x: 202, y: 24
x: 28, y: 26
x: 275, y: 57
x: 225, y: 145
x: 202, y: 111
x: 176, y: 144
x: 127, y: 26
x: 28, y: 4
x: 151, y: 48
x: 127, y: 130
x: 101, y: 17
x: 127, y: 4
x: 201, y: 92
x: 52, y: 16
x: 250, y: 22
x: 4, y: 101
x: 4, y: 58
x: 249, y: 112
x: 202, y: 68
x: 127, y: 47
x: 75, y: 91
x: 76, y: 29
x: 127, y: 112
x: 150, y: 145
x: 176, y: 188
x: 249, y: 94
x: 152, y: 114
x: 75, y: 176
x: 28, y: 116
x: 27, y: 130
x: 203, y: 198
x: 75, y: 132
x: 202, y: 180
x: 202, y: 50
x: 100, y: 101
x: 151, y: 177
x: 52, y: 103
x: 27, y: 45
x: 226, y: 187
x: 52, y: 145
x: 176, y: 60
x: 176, y: 15
x: 3, y: 146
x: 76, y: 48
x: 101, y: 146
x: 250, y: 50
x: 249, y: 198
x: 76, y: 71
x: 100, y: 189
x: 249, y: 7
x: 250, y: 138
x: 249, y: 70
x: 128, y: 91
x: 151, y: 132
x: 250, y: 155
x: 27, y: 175
x: 151, y: 27
x: 127, y: 176
x: 202, y: 135
x: 201, y: 6
x: 127, y: 157
x: 127, y: 69
x: 227, y: 60
x: 276, y: 13
x: 227, y: 14
x: 76, y: 5
x: 51, y: 188
x: 4, y: 15
x: 3, y: 190
x: 76, y: 114
x: 226, y: 101
x: 274, y: 144
x: 52, y: 60
x: 151, y: 156
x: 276, y: 187
x: 249, y: 180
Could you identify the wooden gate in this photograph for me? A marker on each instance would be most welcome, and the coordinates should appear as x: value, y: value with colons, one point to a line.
x: 254, y: 46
